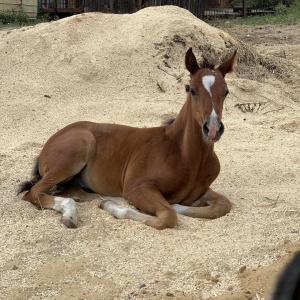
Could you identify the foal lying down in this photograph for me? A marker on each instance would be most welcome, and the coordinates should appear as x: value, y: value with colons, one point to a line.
x: 161, y: 171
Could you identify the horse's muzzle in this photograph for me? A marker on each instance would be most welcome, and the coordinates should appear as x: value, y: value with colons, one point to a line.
x: 213, y: 131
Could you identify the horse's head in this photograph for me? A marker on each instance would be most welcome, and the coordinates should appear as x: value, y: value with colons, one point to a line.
x: 208, y: 91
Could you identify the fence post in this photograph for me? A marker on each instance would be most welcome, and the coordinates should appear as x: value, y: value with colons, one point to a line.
x: 244, y: 8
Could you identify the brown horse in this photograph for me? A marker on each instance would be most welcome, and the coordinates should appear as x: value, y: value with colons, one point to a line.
x: 161, y: 171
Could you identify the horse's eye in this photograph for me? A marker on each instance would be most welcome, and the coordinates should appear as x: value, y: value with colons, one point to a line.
x: 226, y: 93
x: 193, y: 92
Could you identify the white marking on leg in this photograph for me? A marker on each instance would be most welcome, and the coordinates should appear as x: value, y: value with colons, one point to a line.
x: 67, y: 207
x: 180, y: 209
x: 208, y: 81
x: 122, y: 212
x: 116, y: 210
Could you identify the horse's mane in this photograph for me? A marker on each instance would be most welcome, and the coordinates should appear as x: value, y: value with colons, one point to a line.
x: 168, y: 122
x: 207, y: 64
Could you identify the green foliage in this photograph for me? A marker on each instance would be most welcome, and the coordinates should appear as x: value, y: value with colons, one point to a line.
x: 42, y: 18
x: 281, y: 9
x: 235, y: 3
x: 288, y: 3
x: 256, y: 4
x: 20, y: 17
x: 263, y: 3
x: 7, y: 17
x: 284, y: 14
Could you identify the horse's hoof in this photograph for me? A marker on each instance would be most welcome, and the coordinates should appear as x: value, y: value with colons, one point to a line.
x: 67, y: 222
x: 103, y: 203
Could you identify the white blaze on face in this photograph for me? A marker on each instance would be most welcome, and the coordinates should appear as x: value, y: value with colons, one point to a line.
x: 208, y: 81
x: 213, y: 124
x: 213, y: 115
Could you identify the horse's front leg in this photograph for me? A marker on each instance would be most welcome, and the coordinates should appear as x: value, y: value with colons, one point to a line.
x: 210, y: 206
x: 150, y: 201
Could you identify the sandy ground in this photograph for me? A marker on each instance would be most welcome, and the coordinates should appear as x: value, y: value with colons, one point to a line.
x: 129, y: 69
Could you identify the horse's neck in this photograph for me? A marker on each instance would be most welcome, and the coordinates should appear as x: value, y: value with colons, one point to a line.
x: 188, y: 134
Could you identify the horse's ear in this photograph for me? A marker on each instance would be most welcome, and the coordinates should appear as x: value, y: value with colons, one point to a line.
x: 191, y: 61
x: 228, y: 65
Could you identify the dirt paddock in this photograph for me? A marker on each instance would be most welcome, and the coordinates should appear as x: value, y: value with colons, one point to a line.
x: 129, y: 69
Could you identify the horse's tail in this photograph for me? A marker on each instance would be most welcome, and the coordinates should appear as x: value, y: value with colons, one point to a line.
x: 35, y: 178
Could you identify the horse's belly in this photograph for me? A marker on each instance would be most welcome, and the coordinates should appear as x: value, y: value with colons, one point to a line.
x: 101, y: 181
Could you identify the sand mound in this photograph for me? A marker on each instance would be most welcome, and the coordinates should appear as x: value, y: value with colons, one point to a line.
x: 96, y: 49
x: 129, y: 69
x: 100, y: 49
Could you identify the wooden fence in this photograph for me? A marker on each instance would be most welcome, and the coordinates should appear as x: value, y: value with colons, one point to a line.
x: 202, y: 9
x: 30, y: 7
x: 220, y: 8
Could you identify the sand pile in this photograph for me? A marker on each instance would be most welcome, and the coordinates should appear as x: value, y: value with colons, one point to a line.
x: 130, y: 69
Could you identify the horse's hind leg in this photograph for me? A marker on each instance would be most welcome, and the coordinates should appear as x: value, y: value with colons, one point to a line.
x: 38, y: 195
x: 63, y: 157
x: 210, y: 206
x: 67, y: 206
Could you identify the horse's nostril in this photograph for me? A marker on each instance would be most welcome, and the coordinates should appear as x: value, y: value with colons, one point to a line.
x: 205, y: 129
x: 221, y: 129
